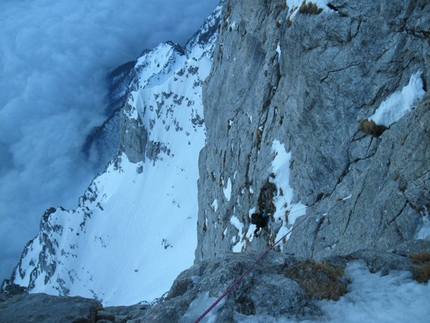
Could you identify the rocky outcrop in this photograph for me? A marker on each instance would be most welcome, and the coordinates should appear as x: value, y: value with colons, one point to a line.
x: 103, y: 141
x: 306, y: 78
x: 278, y: 287
x: 390, y: 199
x: 198, y: 287
x: 48, y: 309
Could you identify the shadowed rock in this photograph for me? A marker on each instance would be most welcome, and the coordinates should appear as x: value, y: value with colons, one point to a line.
x: 47, y: 309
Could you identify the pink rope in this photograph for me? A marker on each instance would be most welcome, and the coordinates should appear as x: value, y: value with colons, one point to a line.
x: 237, y: 281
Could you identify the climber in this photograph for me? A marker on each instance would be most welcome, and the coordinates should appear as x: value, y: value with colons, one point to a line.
x: 260, y: 220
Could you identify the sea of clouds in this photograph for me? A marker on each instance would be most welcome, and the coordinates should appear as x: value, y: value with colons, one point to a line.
x: 54, y: 57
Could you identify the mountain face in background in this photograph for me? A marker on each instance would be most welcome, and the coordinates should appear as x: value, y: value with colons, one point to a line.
x: 277, y: 107
x: 135, y: 224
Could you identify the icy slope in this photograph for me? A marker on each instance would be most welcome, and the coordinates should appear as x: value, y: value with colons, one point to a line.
x: 135, y: 228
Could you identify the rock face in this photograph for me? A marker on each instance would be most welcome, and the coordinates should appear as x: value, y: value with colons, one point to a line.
x: 207, y: 280
x: 102, y: 143
x: 307, y: 79
x: 390, y: 199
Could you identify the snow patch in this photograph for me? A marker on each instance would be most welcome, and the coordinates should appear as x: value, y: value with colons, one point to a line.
x: 400, y: 102
x: 278, y: 50
x: 131, y: 113
x: 347, y: 197
x: 235, y: 240
x: 214, y: 205
x: 424, y: 232
x: 197, y: 307
x: 234, y: 220
x: 249, y: 117
x: 286, y: 212
x: 227, y: 190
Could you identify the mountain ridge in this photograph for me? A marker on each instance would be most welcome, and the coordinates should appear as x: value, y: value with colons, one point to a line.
x: 141, y: 196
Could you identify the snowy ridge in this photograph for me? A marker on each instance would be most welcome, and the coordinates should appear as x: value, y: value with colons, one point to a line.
x: 134, y: 229
x: 157, y: 65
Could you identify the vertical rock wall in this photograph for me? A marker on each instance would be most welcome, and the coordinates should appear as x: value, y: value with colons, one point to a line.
x: 307, y: 79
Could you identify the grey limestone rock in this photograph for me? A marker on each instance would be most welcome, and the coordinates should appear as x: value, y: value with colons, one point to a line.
x: 307, y: 81
x: 264, y: 291
x: 279, y: 286
x: 388, y: 202
x: 47, y: 309
x: 132, y: 135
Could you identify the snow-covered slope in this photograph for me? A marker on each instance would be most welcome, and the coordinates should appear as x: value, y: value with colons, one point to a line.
x: 134, y: 230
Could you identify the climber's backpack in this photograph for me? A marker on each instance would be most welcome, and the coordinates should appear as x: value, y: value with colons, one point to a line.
x: 255, y: 218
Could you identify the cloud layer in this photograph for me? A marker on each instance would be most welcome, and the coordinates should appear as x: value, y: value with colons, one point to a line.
x: 53, y: 61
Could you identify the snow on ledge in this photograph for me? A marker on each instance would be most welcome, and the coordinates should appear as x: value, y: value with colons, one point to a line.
x: 401, y: 102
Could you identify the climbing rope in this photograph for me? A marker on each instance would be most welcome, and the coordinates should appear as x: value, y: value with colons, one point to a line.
x: 238, y: 280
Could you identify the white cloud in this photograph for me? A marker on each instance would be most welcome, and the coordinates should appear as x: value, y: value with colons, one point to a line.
x: 53, y: 61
